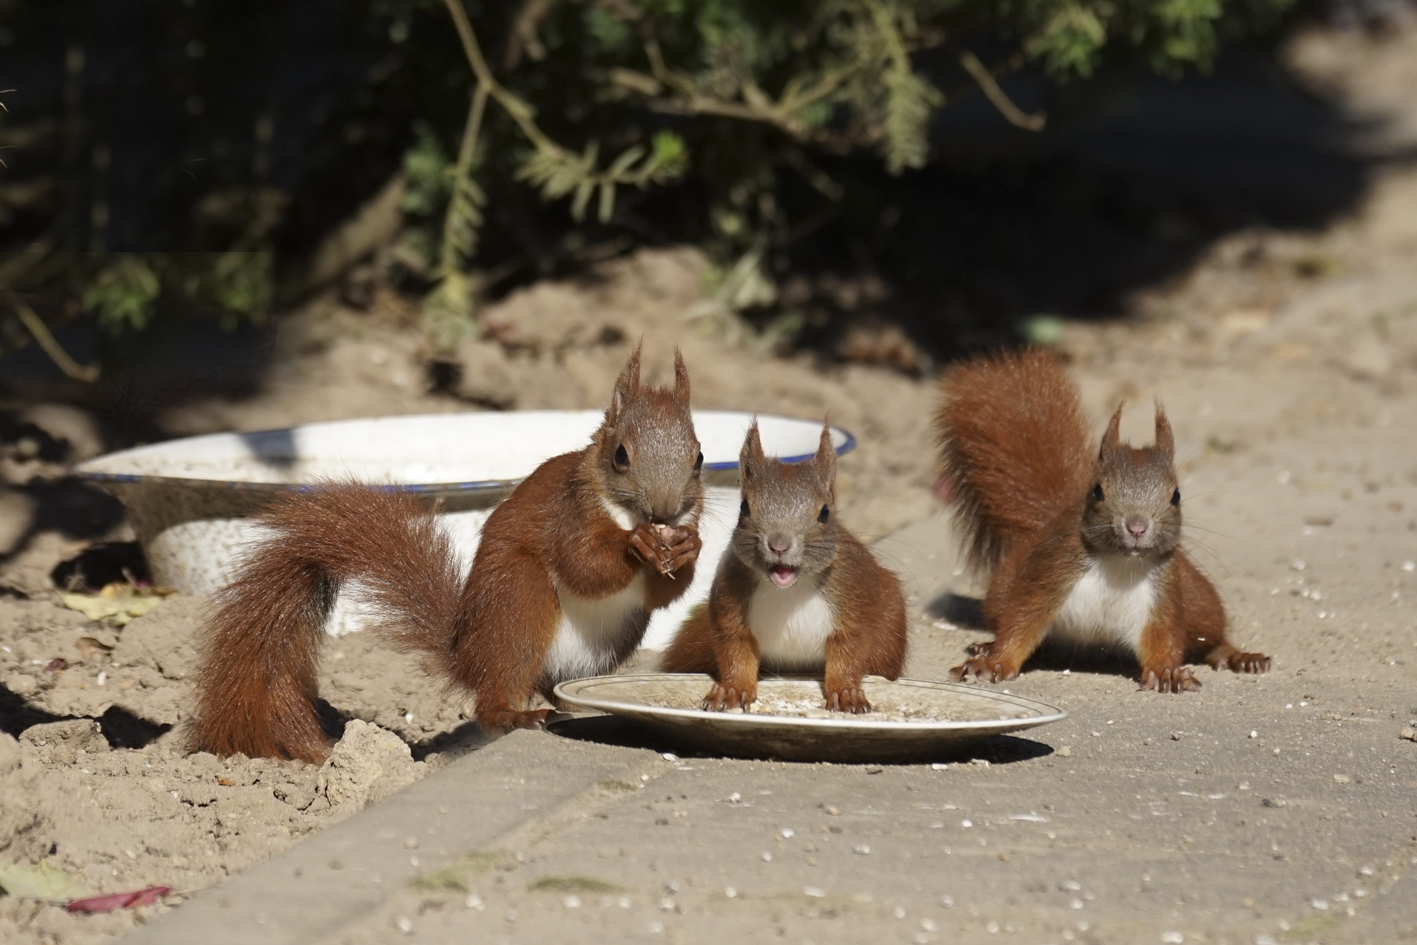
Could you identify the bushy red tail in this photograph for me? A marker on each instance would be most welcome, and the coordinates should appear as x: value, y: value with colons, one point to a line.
x: 256, y: 680
x: 1014, y: 447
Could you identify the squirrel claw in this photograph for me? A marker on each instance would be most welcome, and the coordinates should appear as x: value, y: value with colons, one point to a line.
x: 981, y: 669
x: 504, y: 719
x: 683, y: 550
x: 645, y: 545
x: 851, y: 699
x: 1249, y: 663
x: 1178, y: 679
x: 722, y: 698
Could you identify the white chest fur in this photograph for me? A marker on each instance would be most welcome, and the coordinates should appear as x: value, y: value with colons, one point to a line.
x: 1111, y: 602
x: 791, y: 624
x: 592, y: 632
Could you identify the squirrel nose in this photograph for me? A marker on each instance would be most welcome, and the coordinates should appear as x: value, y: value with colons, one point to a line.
x: 780, y: 544
x: 1137, y: 525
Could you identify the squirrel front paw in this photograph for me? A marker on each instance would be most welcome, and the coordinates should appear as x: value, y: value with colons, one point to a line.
x: 982, y: 669
x: 665, y: 549
x: 683, y: 545
x: 850, y: 699
x: 1177, y: 679
x: 647, y: 545
x: 723, y: 698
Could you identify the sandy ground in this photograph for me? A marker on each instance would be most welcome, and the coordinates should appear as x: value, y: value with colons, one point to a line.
x: 1288, y: 363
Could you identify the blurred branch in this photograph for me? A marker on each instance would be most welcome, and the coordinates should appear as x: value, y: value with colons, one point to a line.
x: 88, y: 373
x: 990, y: 87
x: 687, y: 98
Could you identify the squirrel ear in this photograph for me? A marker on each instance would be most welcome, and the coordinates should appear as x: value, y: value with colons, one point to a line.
x: 1165, y: 439
x: 1112, y: 438
x: 825, y: 460
x: 626, y: 385
x: 681, y: 378
x: 752, y: 458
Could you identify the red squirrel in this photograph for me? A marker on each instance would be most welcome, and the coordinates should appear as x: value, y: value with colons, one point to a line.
x: 795, y: 593
x: 1077, y: 547
x: 568, y: 570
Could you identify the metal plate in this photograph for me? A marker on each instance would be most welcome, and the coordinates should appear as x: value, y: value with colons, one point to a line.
x: 912, y: 718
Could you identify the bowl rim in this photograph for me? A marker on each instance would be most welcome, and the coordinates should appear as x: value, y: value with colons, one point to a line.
x: 422, y: 488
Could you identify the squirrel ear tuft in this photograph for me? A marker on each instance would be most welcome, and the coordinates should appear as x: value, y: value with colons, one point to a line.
x: 825, y: 460
x: 681, y: 378
x: 626, y: 385
x: 1112, y: 438
x: 751, y: 458
x: 1165, y: 439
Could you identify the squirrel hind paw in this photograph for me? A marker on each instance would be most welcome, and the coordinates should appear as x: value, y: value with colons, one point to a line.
x: 1179, y: 679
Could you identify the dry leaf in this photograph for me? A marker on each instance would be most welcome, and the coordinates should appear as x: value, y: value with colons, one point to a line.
x: 40, y: 882
x: 116, y: 604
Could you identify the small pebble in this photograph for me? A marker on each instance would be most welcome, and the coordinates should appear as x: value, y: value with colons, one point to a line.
x: 861, y: 848
x: 1320, y: 904
x: 788, y: 833
x: 730, y: 892
x: 405, y: 925
x: 900, y: 912
x: 831, y: 810
x: 814, y: 892
x: 474, y: 902
x: 1065, y: 752
x: 571, y: 902
x: 1172, y: 938
x: 767, y: 857
x: 992, y: 927
x: 928, y: 925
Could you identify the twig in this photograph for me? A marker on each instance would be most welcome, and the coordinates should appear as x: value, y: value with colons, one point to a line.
x: 1011, y: 112
x: 519, y: 110
x: 88, y: 373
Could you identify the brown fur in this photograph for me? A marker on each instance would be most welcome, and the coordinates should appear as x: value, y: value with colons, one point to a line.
x: 865, y: 599
x: 490, y: 635
x: 1033, y: 505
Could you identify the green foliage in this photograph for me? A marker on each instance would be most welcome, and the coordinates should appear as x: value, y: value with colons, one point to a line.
x: 599, y: 121
x: 121, y: 290
x: 121, y: 294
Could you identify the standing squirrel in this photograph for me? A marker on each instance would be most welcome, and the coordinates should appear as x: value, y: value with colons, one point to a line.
x: 1075, y: 547
x: 796, y: 593
x: 565, y: 577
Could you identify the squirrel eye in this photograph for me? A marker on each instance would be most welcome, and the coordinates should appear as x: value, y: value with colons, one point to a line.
x: 824, y: 515
x: 743, y: 509
x: 1176, y: 497
x: 1097, y: 492
x: 622, y: 458
x: 699, y: 461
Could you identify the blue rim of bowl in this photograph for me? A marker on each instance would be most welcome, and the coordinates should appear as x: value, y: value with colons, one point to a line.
x: 426, y: 488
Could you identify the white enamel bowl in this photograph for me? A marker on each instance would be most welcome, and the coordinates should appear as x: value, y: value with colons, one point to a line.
x: 190, y: 500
